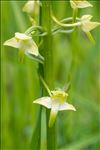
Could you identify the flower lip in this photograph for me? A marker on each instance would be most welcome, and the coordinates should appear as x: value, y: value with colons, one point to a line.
x: 22, y: 36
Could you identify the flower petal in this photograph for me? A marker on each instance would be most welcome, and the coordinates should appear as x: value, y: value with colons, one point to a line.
x: 29, y: 6
x: 32, y: 8
x: 22, y: 36
x: 66, y: 106
x: 86, y: 17
x: 53, y: 113
x: 88, y: 26
x: 12, y: 42
x: 44, y: 101
x: 80, y: 4
x: 73, y: 5
x: 83, y: 4
x: 32, y: 48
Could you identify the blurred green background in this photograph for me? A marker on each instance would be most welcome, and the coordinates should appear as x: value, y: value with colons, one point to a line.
x: 78, y: 130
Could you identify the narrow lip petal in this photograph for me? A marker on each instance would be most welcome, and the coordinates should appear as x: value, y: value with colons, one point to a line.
x: 22, y: 36
x: 44, y: 101
x: 53, y: 114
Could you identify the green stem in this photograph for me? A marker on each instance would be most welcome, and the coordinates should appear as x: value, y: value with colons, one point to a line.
x: 48, y: 67
x: 35, y: 28
x: 75, y: 14
x: 36, y: 137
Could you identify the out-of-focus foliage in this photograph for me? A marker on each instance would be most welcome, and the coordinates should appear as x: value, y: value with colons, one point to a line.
x: 76, y: 59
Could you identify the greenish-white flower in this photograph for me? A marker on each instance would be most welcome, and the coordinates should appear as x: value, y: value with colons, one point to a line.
x: 24, y: 43
x: 56, y: 102
x: 88, y: 25
x: 32, y: 8
x: 80, y: 4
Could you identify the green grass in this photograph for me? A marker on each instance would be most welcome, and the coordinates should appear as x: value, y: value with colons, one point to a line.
x: 20, y: 83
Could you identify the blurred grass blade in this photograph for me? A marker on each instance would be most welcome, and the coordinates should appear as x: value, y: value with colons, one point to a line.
x: 81, y: 144
x: 35, y: 142
x: 20, y: 21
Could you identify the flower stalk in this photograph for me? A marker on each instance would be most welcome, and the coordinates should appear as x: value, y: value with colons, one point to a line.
x: 48, y: 67
x: 64, y: 24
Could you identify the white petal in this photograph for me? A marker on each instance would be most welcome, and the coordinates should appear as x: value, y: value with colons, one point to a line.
x: 32, y: 7
x: 86, y: 17
x: 83, y: 4
x: 12, y: 42
x: 80, y: 4
x: 44, y: 101
x: 29, y: 7
x: 66, y: 106
x: 32, y: 49
x: 73, y: 5
x: 88, y: 26
x: 22, y: 36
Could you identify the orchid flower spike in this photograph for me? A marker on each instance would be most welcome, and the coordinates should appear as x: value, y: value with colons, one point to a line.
x: 24, y: 43
x: 56, y: 102
x: 80, y: 4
